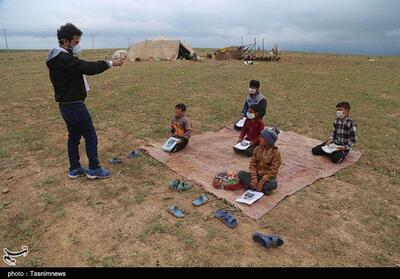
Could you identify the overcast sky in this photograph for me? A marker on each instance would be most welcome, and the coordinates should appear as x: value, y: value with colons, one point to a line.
x: 342, y: 26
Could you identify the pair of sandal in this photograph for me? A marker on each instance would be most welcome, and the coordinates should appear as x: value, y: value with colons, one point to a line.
x: 267, y: 241
x: 226, y: 217
x: 179, y: 185
x: 118, y: 160
x: 178, y: 213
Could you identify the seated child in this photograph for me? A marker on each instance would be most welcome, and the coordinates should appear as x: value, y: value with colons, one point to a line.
x: 344, y: 134
x: 251, y: 131
x: 254, y: 98
x: 264, y: 164
x: 180, y: 127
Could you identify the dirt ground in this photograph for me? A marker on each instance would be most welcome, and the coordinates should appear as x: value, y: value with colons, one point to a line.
x: 350, y: 219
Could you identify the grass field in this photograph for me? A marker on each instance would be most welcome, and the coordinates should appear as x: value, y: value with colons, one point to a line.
x: 350, y: 219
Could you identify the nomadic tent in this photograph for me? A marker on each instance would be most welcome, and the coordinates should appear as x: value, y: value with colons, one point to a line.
x: 160, y: 49
x: 229, y: 53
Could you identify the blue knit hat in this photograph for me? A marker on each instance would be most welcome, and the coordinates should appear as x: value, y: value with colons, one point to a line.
x: 270, y: 134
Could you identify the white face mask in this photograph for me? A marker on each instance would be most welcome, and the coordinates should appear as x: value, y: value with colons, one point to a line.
x: 251, y: 115
x: 252, y: 91
x: 340, y: 114
x: 76, y: 50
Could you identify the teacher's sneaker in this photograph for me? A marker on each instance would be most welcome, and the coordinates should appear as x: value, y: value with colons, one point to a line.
x: 77, y: 172
x: 98, y: 173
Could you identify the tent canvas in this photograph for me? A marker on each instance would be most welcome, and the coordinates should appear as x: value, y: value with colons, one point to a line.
x: 229, y: 53
x: 162, y: 49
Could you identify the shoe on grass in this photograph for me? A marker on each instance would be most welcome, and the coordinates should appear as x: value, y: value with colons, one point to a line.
x: 99, y: 172
x: 77, y: 172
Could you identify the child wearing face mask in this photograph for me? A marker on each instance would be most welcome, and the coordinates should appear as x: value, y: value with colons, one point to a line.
x: 254, y: 98
x: 344, y: 134
x: 251, y: 131
x: 264, y: 164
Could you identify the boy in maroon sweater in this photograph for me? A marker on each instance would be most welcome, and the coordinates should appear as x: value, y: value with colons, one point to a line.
x: 253, y: 126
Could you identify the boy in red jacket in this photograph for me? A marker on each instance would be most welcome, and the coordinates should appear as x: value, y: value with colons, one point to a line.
x: 253, y: 126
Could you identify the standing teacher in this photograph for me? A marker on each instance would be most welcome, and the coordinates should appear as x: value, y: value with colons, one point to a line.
x: 70, y: 86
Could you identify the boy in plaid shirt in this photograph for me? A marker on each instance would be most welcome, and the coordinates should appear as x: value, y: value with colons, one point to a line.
x: 344, y: 134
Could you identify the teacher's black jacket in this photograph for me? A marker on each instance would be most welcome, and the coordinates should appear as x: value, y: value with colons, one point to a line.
x: 66, y: 74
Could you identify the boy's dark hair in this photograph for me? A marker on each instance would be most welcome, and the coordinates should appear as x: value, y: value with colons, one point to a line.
x: 255, y: 108
x: 344, y: 105
x: 255, y: 83
x: 182, y: 107
x: 67, y: 32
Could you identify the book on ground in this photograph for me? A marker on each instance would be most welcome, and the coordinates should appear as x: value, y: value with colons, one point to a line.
x: 250, y: 197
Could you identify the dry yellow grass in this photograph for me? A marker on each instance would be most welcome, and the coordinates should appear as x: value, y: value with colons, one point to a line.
x: 350, y: 219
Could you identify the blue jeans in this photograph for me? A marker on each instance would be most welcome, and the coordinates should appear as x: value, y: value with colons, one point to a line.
x: 79, y: 123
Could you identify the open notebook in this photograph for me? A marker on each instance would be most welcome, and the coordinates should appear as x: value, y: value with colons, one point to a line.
x: 250, y: 197
x: 330, y: 148
x: 170, y: 144
x: 243, y: 145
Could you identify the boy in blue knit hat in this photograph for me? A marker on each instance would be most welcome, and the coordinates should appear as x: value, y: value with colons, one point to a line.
x: 264, y: 164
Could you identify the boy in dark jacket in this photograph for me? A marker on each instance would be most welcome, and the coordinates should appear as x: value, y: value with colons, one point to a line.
x: 254, y: 98
x: 67, y: 76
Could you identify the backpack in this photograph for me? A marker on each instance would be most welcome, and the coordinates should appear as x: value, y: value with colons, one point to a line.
x: 227, y: 180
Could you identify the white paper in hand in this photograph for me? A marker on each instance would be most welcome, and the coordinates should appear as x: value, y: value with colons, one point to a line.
x: 250, y: 197
x: 87, y: 87
x: 240, y: 123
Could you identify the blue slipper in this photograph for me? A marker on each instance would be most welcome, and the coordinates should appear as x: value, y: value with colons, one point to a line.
x: 227, y: 218
x: 174, y: 210
x: 268, y: 240
x: 134, y: 154
x: 183, y: 186
x: 173, y: 184
x: 179, y: 185
x: 115, y: 161
x: 200, y: 200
